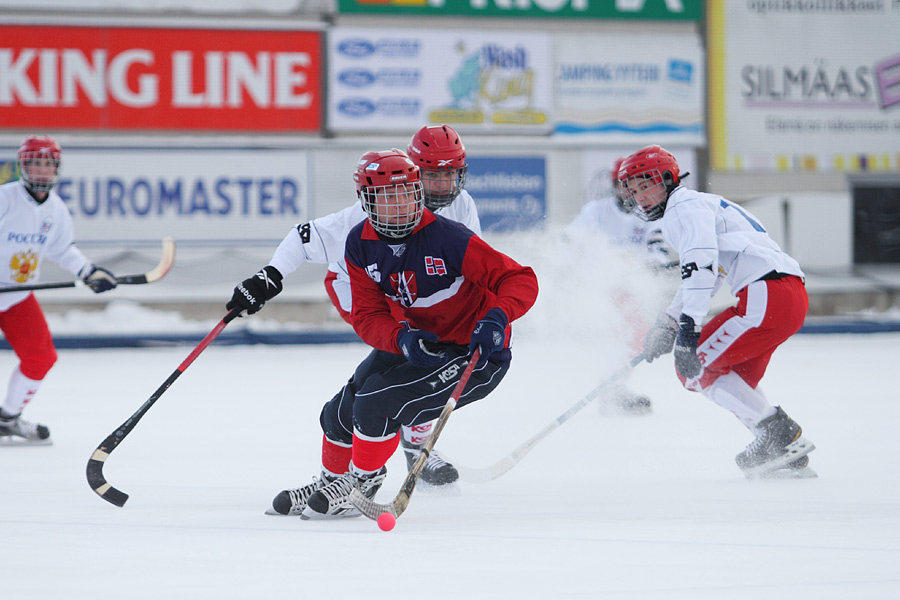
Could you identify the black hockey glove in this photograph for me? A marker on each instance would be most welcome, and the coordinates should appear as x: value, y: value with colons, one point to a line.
x: 252, y: 294
x: 686, y: 360
x: 100, y: 280
x: 660, y: 339
x: 489, y: 335
x: 412, y: 344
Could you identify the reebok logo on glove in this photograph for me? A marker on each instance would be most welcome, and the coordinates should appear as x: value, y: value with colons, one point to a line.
x: 246, y: 293
x: 252, y: 294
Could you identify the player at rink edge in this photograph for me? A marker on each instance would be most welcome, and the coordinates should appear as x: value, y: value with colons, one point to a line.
x: 427, y: 292
x: 34, y: 223
x: 610, y: 218
x: 718, y: 241
x: 441, y: 156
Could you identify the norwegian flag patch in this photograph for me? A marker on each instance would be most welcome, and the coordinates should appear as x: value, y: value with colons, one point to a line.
x: 435, y: 266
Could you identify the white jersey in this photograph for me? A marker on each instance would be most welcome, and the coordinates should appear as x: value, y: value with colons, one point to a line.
x: 717, y: 240
x: 30, y: 231
x: 604, y: 217
x: 322, y: 240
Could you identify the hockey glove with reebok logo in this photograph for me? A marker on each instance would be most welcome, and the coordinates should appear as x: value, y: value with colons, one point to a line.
x: 99, y: 279
x: 489, y: 335
x: 412, y: 344
x: 660, y: 339
x: 252, y: 293
x: 686, y: 360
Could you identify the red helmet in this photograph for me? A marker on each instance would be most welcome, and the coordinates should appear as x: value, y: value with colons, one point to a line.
x: 440, y: 154
x: 648, y: 177
x: 389, y: 186
x: 39, y: 147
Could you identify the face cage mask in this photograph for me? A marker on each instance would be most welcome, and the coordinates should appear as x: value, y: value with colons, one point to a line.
x: 437, y: 201
x: 375, y: 197
x: 656, y: 211
x: 37, y: 186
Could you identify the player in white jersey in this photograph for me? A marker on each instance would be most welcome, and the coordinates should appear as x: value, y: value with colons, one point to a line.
x: 612, y: 218
x: 34, y: 224
x: 719, y: 241
x: 441, y: 156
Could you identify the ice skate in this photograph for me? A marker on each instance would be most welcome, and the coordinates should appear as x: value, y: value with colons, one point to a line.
x: 625, y: 402
x: 779, y: 446
x: 333, y: 500
x: 437, y: 471
x: 292, y: 502
x: 16, y: 431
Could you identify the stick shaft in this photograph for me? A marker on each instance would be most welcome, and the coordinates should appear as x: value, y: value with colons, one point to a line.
x: 401, y: 500
x: 95, y: 464
x: 165, y: 263
x: 506, y: 463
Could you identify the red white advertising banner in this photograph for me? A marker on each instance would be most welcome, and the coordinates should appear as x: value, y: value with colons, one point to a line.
x: 54, y: 77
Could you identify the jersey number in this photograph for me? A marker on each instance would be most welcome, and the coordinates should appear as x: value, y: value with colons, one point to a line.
x: 753, y: 223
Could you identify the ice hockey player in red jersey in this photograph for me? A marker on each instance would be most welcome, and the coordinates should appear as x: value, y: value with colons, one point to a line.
x: 427, y: 292
x: 719, y: 241
x: 441, y: 156
x: 34, y: 224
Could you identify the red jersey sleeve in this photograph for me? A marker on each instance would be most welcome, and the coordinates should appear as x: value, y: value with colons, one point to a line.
x: 515, y: 286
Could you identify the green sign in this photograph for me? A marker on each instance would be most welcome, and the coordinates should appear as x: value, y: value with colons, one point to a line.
x: 656, y: 10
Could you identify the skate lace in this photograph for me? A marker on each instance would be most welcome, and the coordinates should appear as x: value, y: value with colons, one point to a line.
x: 300, y: 495
x: 758, y: 444
x: 339, y: 488
x: 434, y: 462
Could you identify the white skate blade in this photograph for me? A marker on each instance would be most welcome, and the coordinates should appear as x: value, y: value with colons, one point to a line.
x: 789, y: 473
x: 796, y: 449
x: 12, y: 440
x: 310, y: 515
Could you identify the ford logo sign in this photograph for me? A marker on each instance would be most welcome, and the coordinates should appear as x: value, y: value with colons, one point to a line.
x: 356, y: 47
x: 356, y: 107
x: 356, y: 77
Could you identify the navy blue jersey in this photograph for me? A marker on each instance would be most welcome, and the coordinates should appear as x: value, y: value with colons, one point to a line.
x: 442, y: 278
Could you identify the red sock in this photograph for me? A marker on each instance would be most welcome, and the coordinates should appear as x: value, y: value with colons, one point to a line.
x: 335, y: 456
x: 370, y: 454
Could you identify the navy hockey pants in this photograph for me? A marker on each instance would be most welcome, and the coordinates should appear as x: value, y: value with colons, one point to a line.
x: 386, y: 392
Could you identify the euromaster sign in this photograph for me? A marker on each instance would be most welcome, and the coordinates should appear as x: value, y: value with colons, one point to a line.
x: 168, y: 79
x: 400, y: 79
x: 226, y: 197
x: 805, y: 86
x: 670, y: 10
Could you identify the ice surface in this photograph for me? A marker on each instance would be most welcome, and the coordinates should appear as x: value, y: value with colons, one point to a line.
x: 605, y: 507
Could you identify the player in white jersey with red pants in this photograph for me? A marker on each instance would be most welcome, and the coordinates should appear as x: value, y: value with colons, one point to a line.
x: 441, y: 156
x: 717, y: 241
x: 611, y: 218
x: 34, y: 224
